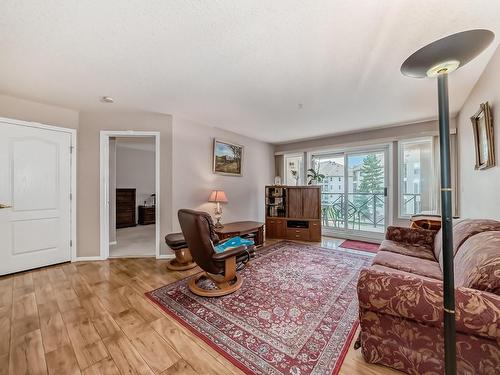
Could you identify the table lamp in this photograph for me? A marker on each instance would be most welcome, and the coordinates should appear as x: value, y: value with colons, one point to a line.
x: 437, y: 60
x: 218, y: 196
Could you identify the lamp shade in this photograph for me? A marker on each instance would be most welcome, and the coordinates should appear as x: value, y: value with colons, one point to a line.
x: 218, y: 196
x: 447, y: 53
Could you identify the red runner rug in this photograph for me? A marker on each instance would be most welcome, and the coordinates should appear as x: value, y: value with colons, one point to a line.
x: 360, y: 245
x: 296, y: 312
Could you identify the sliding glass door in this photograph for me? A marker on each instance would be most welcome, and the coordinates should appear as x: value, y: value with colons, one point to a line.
x: 354, y: 193
x: 333, y: 189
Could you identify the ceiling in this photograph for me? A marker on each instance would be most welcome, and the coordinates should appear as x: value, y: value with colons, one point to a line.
x: 276, y: 70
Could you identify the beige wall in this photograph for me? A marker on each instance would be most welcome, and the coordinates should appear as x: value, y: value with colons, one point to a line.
x: 479, y: 196
x: 88, y: 169
x: 194, y: 180
x: 191, y: 164
x: 26, y: 110
x: 370, y: 136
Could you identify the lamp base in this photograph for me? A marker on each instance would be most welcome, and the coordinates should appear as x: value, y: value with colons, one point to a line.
x: 218, y: 224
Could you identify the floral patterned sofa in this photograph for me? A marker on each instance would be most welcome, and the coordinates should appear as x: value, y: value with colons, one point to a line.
x: 401, y: 297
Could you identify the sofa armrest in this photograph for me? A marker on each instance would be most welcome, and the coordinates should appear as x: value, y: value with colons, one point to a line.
x: 414, y: 236
x: 477, y: 312
x: 421, y: 299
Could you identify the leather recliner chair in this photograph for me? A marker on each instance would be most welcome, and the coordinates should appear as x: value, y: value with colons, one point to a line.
x: 221, y: 268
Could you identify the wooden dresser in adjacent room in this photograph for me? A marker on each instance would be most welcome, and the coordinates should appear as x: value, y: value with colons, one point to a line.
x: 293, y: 212
x: 147, y: 215
x: 125, y: 208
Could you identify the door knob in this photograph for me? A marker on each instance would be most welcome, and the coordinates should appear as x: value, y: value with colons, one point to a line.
x: 4, y: 206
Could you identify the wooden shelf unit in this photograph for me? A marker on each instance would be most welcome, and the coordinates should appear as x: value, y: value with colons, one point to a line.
x: 298, y: 216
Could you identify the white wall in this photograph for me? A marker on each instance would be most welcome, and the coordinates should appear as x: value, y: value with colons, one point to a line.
x: 479, y: 196
x: 194, y: 180
x: 135, y: 167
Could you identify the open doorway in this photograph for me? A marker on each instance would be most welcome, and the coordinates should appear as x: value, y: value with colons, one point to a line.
x: 129, y: 194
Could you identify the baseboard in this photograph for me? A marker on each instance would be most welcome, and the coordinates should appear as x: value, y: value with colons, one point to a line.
x: 87, y: 259
x: 130, y: 256
x: 97, y: 258
x: 166, y: 256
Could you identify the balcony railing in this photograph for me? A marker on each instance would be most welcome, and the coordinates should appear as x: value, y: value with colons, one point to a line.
x: 412, y: 204
x: 361, y: 211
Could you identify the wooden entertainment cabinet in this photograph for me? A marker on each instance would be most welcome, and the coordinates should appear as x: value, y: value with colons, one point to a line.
x: 293, y: 212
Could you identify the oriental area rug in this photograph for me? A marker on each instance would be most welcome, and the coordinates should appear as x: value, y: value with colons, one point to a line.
x: 296, y: 312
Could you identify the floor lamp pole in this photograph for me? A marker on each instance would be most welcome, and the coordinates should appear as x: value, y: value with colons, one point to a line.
x: 446, y: 214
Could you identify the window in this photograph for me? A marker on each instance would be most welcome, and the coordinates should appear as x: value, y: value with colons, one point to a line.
x: 417, y: 188
x: 294, y: 169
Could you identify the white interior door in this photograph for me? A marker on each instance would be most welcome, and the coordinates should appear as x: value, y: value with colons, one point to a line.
x: 35, y: 184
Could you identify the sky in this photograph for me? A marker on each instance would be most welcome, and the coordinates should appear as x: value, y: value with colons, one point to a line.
x: 354, y: 160
x: 223, y: 149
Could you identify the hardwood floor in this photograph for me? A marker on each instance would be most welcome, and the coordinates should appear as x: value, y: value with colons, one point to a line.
x: 92, y: 318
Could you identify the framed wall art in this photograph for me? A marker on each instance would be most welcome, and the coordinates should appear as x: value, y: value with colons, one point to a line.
x: 482, y: 127
x: 227, y: 158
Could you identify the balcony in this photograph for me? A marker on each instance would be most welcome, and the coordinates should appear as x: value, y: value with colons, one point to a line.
x: 411, y: 205
x: 354, y: 211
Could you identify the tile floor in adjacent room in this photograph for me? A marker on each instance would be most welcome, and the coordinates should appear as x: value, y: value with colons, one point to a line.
x: 138, y: 241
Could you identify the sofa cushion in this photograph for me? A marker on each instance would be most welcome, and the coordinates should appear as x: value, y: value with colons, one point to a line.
x: 418, y: 251
x: 463, y: 230
x: 414, y: 236
x: 477, y: 263
x: 417, y: 266
x: 379, y: 268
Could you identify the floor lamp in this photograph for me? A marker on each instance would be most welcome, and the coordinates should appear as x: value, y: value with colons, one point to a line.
x: 438, y: 59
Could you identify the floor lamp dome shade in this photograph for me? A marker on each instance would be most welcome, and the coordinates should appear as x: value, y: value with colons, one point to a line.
x: 447, y: 54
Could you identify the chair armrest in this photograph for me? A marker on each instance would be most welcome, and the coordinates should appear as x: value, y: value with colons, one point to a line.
x: 414, y: 236
x: 421, y: 300
x: 229, y: 253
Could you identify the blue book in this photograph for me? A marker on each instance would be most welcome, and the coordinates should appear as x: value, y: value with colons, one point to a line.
x: 232, y: 243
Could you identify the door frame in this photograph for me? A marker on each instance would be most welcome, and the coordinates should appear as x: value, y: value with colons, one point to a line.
x: 105, y: 135
x: 387, y: 148
x: 73, y: 173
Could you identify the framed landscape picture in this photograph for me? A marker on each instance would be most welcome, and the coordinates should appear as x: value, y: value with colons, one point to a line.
x: 228, y: 158
x: 482, y: 126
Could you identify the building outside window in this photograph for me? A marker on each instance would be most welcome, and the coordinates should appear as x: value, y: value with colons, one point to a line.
x: 417, y: 183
